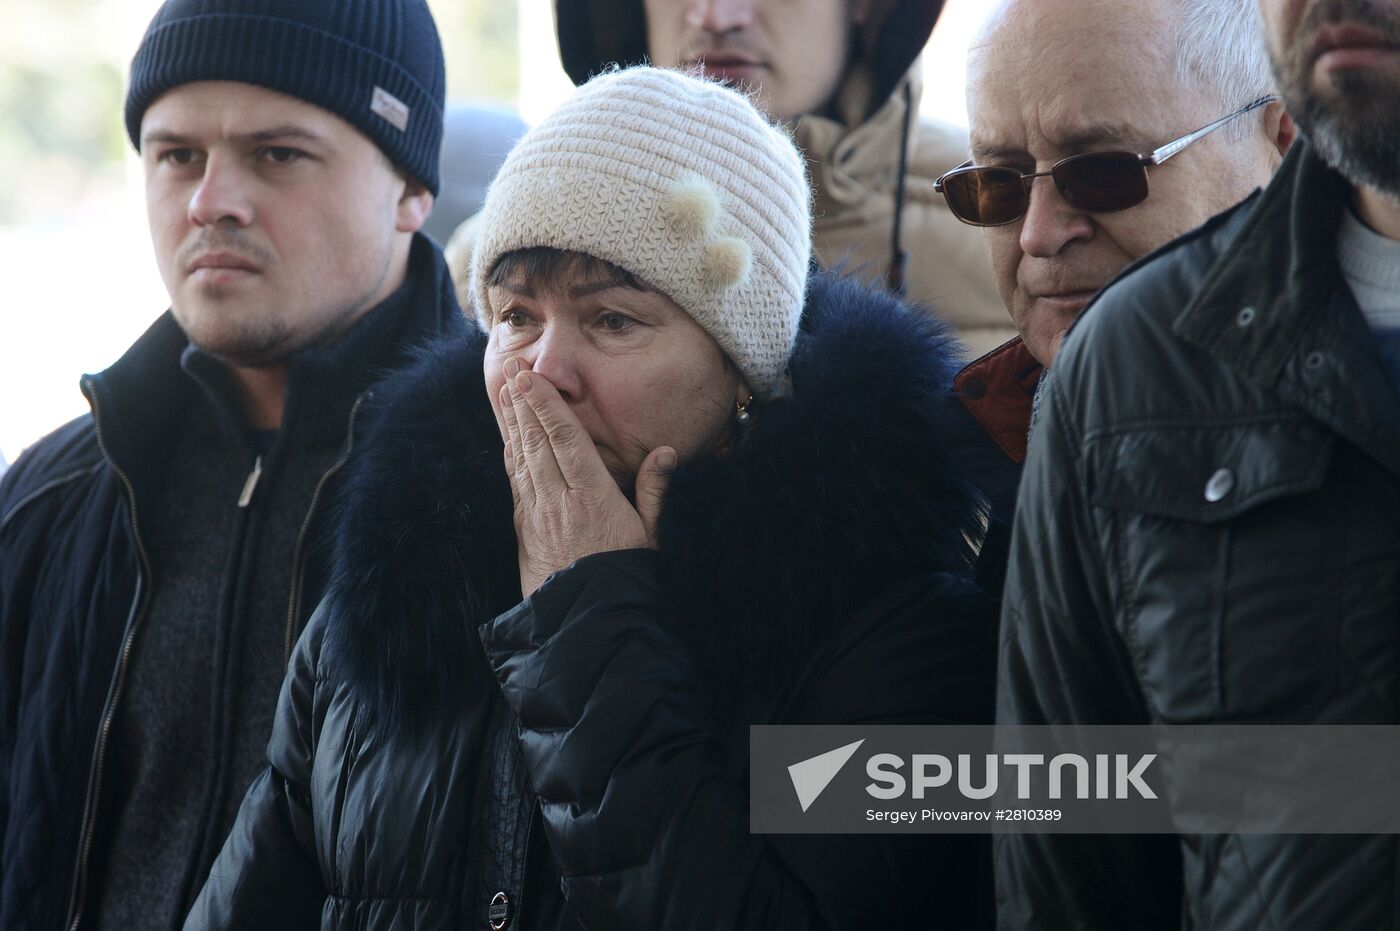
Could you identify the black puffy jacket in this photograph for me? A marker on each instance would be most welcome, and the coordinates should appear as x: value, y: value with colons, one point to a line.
x: 816, y: 573
x: 1209, y: 532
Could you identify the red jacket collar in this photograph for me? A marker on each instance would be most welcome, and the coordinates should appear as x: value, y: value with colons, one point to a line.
x: 998, y: 389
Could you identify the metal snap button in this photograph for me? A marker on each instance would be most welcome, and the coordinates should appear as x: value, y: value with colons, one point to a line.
x: 1314, y: 360
x: 975, y: 389
x: 498, y: 915
x: 1220, y: 485
x: 1245, y: 317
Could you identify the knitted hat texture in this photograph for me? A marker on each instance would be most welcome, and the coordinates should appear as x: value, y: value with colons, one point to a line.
x: 680, y: 181
x: 377, y: 64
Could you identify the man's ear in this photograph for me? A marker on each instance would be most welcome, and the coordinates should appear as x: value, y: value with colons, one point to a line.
x: 415, y: 204
x: 1279, y: 126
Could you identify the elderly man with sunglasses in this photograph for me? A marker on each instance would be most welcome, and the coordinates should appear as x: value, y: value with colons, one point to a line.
x: 1100, y: 130
x: 1209, y: 525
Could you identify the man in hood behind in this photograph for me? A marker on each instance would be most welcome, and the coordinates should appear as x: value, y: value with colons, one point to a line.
x: 844, y: 73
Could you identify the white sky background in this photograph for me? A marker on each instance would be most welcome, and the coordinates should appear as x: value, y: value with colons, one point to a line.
x: 78, y: 294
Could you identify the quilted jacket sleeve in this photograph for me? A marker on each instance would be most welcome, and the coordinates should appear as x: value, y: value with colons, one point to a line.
x: 1062, y: 661
x: 647, y: 825
x: 267, y: 876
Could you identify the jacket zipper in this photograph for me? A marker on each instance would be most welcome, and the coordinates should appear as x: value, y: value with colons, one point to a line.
x: 133, y: 623
x: 295, y: 597
x: 525, y: 867
x: 250, y: 484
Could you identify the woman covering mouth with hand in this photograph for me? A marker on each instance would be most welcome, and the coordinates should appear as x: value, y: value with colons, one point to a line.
x: 714, y: 479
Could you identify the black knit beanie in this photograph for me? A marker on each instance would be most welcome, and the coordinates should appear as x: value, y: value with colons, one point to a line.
x: 377, y: 64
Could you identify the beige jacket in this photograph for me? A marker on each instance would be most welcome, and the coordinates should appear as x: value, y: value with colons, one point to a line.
x: 854, y: 176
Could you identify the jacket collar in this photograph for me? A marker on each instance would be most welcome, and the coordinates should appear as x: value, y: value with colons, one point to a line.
x: 839, y: 493
x: 1275, y: 309
x: 322, y: 381
x: 849, y: 161
x: 140, y: 399
x: 1292, y: 233
x: 998, y: 390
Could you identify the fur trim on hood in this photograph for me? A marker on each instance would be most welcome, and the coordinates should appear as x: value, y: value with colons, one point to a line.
x: 840, y: 492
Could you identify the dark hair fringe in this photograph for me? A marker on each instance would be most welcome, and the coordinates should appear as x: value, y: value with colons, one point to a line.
x: 546, y: 268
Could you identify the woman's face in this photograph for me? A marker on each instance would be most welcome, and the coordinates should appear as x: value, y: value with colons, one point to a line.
x: 633, y: 367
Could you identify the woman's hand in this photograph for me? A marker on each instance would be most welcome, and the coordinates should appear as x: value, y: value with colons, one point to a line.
x: 567, y: 505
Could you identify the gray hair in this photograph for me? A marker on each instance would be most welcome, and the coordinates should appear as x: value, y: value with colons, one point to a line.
x: 1220, y: 47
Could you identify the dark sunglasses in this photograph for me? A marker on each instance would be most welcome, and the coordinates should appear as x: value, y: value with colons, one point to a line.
x: 1096, y: 182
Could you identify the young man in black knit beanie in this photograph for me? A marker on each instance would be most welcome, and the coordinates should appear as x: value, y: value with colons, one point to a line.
x: 159, y: 556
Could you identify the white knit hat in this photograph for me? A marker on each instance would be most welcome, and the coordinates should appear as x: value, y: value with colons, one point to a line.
x: 680, y: 181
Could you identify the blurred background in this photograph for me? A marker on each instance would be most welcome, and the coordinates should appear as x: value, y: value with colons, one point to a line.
x: 79, y: 277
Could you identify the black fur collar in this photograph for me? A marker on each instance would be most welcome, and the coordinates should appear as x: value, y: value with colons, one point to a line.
x: 840, y: 492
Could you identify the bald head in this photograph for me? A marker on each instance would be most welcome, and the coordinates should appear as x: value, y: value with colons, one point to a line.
x: 1051, y: 80
x: 1071, y: 41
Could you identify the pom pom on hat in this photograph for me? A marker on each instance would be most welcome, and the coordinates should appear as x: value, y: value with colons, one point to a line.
x: 726, y: 262
x: 692, y: 207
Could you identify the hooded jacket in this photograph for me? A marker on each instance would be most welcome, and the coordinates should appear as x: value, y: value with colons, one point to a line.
x: 76, y: 580
x: 446, y: 757
x: 1216, y: 545
x: 872, y: 158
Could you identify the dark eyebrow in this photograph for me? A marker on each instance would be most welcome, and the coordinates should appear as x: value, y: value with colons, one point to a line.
x: 1071, y: 142
x: 281, y: 134
x: 275, y: 134
x: 981, y: 153
x: 1087, y: 137
x: 165, y: 135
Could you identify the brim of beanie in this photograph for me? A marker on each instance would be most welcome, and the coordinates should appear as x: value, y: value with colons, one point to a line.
x: 274, y: 53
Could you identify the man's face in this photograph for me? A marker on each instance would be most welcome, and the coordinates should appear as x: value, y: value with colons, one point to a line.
x: 793, y: 51
x: 1035, y: 97
x: 1338, y: 67
x: 275, y: 223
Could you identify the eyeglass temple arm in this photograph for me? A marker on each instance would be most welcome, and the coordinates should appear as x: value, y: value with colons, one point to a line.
x: 1161, y: 154
x: 938, y: 182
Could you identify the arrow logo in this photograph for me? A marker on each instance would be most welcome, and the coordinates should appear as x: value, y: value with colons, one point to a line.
x: 811, y: 777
